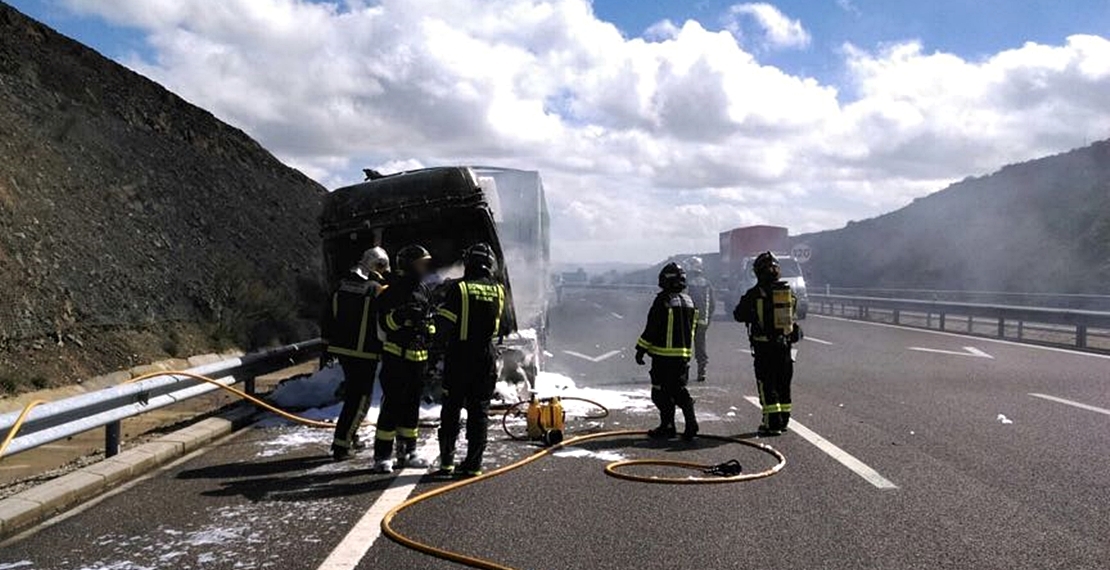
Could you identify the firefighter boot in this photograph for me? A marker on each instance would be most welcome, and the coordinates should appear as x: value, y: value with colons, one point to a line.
x: 666, y: 429
x: 446, y: 456
x: 406, y: 455
x: 690, y: 430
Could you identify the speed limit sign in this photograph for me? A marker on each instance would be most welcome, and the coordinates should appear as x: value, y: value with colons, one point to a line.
x: 801, y: 253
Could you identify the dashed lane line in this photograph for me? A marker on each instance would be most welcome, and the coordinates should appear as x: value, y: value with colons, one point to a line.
x: 968, y: 351
x: 818, y: 341
x: 846, y: 459
x: 1072, y: 403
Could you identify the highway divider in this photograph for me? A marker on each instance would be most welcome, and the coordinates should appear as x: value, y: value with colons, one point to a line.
x: 1084, y: 329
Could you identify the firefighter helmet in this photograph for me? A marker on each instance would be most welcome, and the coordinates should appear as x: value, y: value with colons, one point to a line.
x: 694, y: 264
x: 413, y: 259
x: 766, y: 265
x: 376, y: 260
x: 479, y: 257
x: 672, y: 277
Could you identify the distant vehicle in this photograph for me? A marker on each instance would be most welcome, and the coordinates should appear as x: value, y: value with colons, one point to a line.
x: 740, y: 243
x: 790, y: 271
x: 448, y: 209
x: 739, y: 247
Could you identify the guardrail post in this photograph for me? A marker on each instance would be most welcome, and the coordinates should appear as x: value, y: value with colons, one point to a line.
x: 942, y: 321
x: 970, y: 324
x: 1002, y: 327
x: 1021, y: 330
x: 111, y: 439
x: 897, y: 317
x: 928, y: 320
x: 1081, y: 336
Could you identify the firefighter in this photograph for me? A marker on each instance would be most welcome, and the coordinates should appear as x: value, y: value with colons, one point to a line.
x: 700, y: 289
x: 768, y: 311
x: 668, y: 337
x: 352, y: 338
x: 405, y: 327
x: 471, y: 312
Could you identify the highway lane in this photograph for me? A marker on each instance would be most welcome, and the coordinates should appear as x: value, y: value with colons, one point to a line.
x: 972, y: 490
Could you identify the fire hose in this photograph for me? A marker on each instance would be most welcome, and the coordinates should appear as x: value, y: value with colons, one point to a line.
x: 727, y: 472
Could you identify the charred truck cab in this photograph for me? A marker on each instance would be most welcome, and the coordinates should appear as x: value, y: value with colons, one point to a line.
x: 446, y: 210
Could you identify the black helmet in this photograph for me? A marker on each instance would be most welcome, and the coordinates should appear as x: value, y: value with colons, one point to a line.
x: 479, y: 258
x: 412, y: 259
x: 766, y: 265
x: 672, y: 277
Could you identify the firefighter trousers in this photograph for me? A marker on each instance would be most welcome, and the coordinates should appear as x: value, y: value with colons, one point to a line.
x: 701, y: 354
x: 774, y: 369
x: 669, y: 376
x: 402, y: 385
x: 470, y: 373
x: 358, y: 387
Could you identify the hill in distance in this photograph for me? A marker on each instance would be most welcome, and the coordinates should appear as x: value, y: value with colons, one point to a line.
x: 135, y: 226
x: 1038, y: 226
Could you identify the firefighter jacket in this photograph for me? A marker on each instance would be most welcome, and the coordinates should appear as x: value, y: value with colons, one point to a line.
x: 700, y: 289
x: 475, y: 307
x: 757, y: 308
x: 669, y: 331
x: 405, y: 319
x: 349, y: 325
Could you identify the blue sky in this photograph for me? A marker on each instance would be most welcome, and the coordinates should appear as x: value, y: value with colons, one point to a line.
x: 753, y: 113
x: 973, y: 29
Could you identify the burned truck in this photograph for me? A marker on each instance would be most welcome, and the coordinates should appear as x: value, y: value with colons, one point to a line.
x: 447, y: 210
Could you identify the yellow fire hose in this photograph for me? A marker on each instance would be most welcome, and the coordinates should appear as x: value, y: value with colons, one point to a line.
x: 612, y: 469
x: 616, y: 469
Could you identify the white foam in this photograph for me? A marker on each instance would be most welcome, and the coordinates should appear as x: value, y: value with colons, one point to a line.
x: 578, y: 452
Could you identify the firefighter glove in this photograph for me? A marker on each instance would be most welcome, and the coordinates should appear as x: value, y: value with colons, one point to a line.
x: 640, y: 356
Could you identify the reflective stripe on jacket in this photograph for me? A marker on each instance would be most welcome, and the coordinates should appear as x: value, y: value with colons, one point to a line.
x: 350, y: 327
x: 474, y: 307
x: 669, y: 331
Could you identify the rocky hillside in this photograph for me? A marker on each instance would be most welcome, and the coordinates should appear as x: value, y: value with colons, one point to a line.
x: 1039, y: 226
x: 135, y: 224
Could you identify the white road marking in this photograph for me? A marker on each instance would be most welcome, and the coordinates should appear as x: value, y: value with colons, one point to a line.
x: 1079, y: 405
x: 965, y: 337
x: 594, y: 359
x: 818, y: 341
x: 969, y: 351
x: 846, y: 459
x: 350, y: 551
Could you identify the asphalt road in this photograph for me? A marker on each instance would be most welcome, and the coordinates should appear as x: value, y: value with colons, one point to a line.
x: 914, y: 450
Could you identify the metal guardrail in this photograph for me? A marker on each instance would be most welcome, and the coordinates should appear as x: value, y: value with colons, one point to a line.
x: 106, y: 408
x: 1081, y: 321
x: 1082, y: 301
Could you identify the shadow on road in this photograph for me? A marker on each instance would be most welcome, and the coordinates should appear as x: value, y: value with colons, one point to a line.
x: 293, y: 479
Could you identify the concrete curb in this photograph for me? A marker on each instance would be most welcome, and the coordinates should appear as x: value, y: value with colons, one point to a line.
x: 39, y: 503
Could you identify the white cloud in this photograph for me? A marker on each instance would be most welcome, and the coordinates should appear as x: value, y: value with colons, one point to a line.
x: 778, y: 30
x: 647, y: 145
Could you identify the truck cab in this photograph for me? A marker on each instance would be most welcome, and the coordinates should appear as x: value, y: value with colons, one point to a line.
x: 447, y: 210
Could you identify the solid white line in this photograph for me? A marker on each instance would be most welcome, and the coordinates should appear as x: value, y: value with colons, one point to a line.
x: 354, y: 546
x: 818, y: 341
x: 965, y: 337
x: 1079, y: 405
x: 846, y: 459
